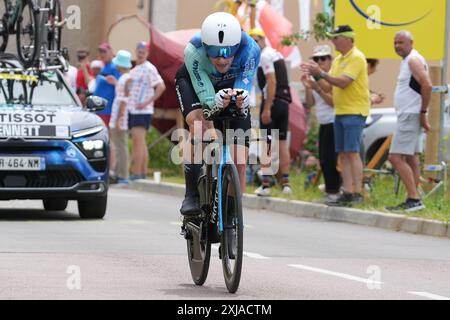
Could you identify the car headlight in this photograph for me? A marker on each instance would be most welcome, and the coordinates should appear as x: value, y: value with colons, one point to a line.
x: 93, y: 149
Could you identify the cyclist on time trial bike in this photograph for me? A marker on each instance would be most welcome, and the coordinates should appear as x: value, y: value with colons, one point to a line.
x: 220, y: 64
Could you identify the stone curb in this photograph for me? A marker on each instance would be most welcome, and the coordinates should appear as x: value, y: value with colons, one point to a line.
x: 319, y: 211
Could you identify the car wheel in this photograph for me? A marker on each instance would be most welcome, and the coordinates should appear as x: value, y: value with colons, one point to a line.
x: 55, y: 205
x: 94, y: 208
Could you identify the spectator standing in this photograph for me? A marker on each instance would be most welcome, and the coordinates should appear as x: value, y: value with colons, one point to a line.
x: 147, y: 86
x: 323, y: 102
x: 119, y: 118
x: 107, y: 80
x: 412, y: 98
x: 274, y: 82
x: 84, y: 75
x: 106, y: 88
x: 375, y: 98
x: 96, y: 67
x: 351, y: 97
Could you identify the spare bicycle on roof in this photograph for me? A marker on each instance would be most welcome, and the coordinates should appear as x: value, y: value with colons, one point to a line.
x: 37, y: 25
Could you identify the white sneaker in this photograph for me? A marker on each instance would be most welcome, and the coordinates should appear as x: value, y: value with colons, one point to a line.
x: 287, y: 191
x: 332, y: 197
x: 262, y: 192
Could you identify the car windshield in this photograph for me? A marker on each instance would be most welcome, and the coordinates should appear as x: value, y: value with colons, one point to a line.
x: 36, y: 89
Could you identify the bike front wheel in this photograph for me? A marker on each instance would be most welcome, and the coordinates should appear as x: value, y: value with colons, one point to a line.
x: 232, y: 238
x: 28, y: 44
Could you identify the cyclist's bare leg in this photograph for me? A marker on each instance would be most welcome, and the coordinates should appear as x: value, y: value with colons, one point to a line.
x: 193, y: 157
x: 240, y: 157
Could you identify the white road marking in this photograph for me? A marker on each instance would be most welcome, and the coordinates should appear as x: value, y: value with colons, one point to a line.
x: 255, y: 256
x: 92, y: 222
x: 124, y: 195
x: 250, y: 255
x: 335, y: 274
x: 428, y: 295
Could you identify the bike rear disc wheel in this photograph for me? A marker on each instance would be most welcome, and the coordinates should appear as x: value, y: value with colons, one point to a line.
x: 28, y: 44
x: 4, y: 24
x: 199, y: 251
x: 232, y: 239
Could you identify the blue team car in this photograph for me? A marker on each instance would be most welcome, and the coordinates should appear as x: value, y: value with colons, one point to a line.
x: 51, y: 148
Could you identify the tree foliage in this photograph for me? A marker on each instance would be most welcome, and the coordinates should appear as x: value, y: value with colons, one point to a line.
x: 324, y: 23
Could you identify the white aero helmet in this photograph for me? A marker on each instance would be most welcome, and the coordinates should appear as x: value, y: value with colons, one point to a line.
x: 221, y: 35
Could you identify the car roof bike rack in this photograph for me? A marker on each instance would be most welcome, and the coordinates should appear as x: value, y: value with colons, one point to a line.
x: 62, y: 65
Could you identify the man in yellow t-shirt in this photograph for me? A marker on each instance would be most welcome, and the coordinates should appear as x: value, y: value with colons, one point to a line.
x: 349, y: 80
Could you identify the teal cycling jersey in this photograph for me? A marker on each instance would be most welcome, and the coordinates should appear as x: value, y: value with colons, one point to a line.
x: 206, y: 80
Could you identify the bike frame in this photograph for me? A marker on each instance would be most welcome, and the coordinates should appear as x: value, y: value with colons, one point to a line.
x: 225, y: 160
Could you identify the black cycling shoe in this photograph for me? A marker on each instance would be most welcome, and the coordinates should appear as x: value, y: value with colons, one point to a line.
x: 191, y: 207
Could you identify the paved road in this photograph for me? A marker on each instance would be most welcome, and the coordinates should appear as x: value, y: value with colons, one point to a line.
x: 137, y: 253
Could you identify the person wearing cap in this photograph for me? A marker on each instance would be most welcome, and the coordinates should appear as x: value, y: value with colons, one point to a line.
x: 119, y: 118
x: 147, y: 86
x: 106, y: 89
x: 273, y: 80
x: 96, y: 67
x: 107, y: 80
x: 325, y: 113
x: 351, y: 97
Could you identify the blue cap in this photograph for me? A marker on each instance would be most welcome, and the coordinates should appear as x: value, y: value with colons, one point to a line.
x: 142, y: 45
x: 123, y: 59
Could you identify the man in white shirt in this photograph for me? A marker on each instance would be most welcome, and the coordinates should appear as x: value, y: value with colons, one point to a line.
x: 274, y: 82
x: 146, y: 87
x: 412, y: 98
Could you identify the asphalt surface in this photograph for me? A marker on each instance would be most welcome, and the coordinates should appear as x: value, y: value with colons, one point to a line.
x: 137, y: 253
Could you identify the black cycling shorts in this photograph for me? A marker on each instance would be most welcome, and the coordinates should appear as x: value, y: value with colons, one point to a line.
x: 189, y: 102
x: 280, y: 119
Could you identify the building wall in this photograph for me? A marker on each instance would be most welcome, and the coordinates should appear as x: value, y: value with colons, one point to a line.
x: 164, y: 14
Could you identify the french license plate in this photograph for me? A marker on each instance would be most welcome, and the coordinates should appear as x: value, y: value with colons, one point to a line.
x: 22, y: 164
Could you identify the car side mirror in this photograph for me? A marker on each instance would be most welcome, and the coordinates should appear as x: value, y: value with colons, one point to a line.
x: 96, y: 104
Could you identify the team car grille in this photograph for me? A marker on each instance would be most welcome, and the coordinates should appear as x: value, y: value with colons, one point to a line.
x: 65, y: 178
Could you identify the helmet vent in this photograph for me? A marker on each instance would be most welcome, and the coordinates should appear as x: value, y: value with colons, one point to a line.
x: 221, y: 36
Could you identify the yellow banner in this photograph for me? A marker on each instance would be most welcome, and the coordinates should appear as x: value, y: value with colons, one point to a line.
x: 18, y: 77
x: 377, y: 21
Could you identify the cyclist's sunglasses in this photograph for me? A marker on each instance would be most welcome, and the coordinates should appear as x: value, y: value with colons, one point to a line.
x: 322, y: 59
x: 222, y: 52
